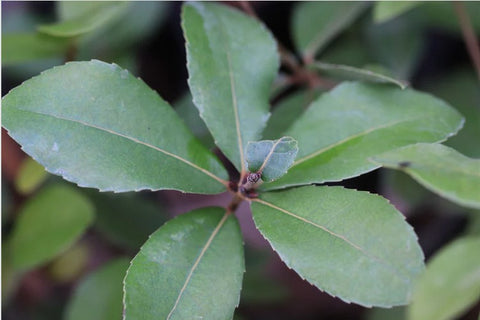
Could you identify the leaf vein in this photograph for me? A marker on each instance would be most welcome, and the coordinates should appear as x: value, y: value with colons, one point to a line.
x: 358, y: 135
x: 235, y: 110
x: 197, y: 261
x: 339, y: 236
x: 193, y: 165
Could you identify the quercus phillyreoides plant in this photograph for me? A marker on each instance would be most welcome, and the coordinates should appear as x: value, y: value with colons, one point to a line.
x: 96, y: 125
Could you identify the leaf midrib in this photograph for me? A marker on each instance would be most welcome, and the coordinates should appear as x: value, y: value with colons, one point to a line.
x: 396, y: 271
x: 197, y: 262
x: 269, y: 155
x: 135, y: 140
x: 352, y: 137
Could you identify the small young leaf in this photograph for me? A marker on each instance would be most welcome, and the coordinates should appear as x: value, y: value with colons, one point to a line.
x: 24, y: 47
x: 30, y: 177
x: 96, y: 125
x: 315, y: 24
x: 440, y: 169
x: 342, y: 129
x: 92, y: 18
x: 387, y: 10
x: 271, y: 158
x: 450, y: 284
x: 232, y: 61
x: 99, y: 295
x: 352, y: 73
x: 190, y: 268
x: 352, y: 244
x: 48, y: 224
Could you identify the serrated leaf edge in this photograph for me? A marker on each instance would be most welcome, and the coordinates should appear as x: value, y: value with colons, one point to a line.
x: 208, y: 173
x: 330, y: 292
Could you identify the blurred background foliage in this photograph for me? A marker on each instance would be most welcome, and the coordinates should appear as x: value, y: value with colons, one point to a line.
x: 77, y: 273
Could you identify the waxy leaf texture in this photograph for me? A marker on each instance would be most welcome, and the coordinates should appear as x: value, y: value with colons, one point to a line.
x: 96, y: 125
x: 232, y: 60
x: 351, y: 244
x: 343, y: 128
x: 440, y: 169
x: 190, y: 268
x: 271, y: 158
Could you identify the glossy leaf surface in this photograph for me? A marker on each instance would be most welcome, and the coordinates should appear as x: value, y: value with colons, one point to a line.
x: 92, y: 17
x: 23, y: 47
x: 48, y: 224
x: 315, y: 24
x: 232, y: 61
x: 271, y: 158
x: 352, y: 244
x: 440, y: 169
x: 355, y: 121
x: 99, y: 295
x: 96, y: 125
x: 190, y: 268
x: 450, y: 284
x: 352, y: 73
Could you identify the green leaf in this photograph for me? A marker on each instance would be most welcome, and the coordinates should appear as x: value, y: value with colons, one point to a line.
x: 460, y: 88
x: 350, y: 47
x: 388, y: 10
x: 69, y: 265
x: 355, y: 121
x: 450, y: 284
x: 271, y: 158
x: 286, y: 112
x: 232, y: 61
x: 441, y: 15
x: 191, y: 268
x: 397, y: 44
x: 23, y: 47
x: 69, y: 10
x: 397, y: 313
x: 189, y: 114
x: 92, y: 17
x: 315, y: 24
x: 136, y: 23
x: 126, y: 219
x: 98, y: 126
x: 30, y: 176
x: 48, y: 224
x: 352, y: 244
x: 352, y: 73
x: 99, y: 295
x: 439, y: 169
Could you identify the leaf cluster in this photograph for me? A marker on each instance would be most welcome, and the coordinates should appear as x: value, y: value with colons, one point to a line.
x: 98, y: 126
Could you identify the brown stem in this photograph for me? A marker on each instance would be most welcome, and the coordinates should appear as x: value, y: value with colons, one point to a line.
x: 236, y: 200
x: 468, y: 34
